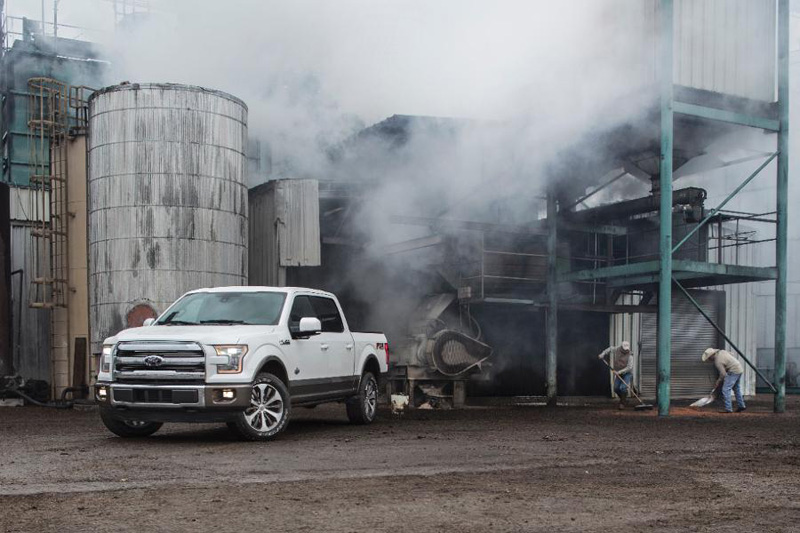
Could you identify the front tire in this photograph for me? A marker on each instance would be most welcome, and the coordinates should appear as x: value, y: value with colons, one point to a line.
x: 362, y: 408
x: 268, y: 413
x: 129, y: 429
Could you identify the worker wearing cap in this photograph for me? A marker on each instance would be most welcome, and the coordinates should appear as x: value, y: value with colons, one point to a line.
x: 622, y: 362
x: 730, y: 377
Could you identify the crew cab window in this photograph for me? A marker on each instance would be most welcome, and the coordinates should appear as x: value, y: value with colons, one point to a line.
x: 328, y: 314
x: 301, y: 308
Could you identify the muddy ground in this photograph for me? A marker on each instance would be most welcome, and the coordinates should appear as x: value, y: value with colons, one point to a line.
x: 512, y: 468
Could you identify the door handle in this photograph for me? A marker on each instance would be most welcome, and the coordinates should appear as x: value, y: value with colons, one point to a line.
x: 349, y: 346
x: 324, y: 347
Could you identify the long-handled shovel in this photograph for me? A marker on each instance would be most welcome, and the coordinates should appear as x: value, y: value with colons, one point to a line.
x: 642, y: 406
x: 702, y: 402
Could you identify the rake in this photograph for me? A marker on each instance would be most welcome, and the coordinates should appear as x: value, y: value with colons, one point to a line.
x: 642, y: 405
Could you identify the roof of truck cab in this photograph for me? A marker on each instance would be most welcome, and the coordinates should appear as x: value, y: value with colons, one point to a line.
x: 250, y: 288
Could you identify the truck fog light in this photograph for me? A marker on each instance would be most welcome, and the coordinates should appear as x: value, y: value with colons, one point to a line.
x: 102, y: 393
x: 223, y: 395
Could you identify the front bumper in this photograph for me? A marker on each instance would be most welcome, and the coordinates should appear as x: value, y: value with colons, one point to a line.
x: 172, y: 397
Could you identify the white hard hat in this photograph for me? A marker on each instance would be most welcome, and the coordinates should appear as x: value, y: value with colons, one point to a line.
x: 708, y: 353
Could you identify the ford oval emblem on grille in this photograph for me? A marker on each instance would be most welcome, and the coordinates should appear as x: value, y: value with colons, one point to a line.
x: 153, y: 360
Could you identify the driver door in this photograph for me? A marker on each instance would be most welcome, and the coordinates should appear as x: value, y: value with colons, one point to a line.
x: 311, y: 362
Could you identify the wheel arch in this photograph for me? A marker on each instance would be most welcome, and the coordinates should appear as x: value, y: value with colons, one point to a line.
x: 274, y: 366
x: 371, y: 365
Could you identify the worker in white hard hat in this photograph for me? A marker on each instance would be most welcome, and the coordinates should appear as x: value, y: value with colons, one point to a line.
x: 621, y: 360
x: 730, y: 377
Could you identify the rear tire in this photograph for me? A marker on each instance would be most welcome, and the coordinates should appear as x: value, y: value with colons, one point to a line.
x: 268, y: 413
x: 362, y: 408
x: 129, y: 429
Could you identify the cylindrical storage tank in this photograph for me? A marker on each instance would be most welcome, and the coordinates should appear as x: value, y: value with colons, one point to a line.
x: 167, y: 199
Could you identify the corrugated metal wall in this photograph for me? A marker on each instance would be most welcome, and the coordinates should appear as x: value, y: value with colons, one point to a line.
x: 740, y: 307
x: 167, y: 198
x: 30, y: 327
x: 726, y: 46
x: 263, y: 253
x: 284, y: 229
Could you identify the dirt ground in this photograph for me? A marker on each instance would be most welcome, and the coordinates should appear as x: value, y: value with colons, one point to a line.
x: 512, y: 468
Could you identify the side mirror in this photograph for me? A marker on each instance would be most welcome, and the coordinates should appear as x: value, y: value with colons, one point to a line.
x: 148, y: 322
x: 309, y: 326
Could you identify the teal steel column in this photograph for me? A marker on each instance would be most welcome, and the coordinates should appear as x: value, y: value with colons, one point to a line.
x: 551, y: 362
x: 665, y: 178
x: 782, y: 206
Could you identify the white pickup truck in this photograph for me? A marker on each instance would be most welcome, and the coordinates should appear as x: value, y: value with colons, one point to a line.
x: 240, y: 355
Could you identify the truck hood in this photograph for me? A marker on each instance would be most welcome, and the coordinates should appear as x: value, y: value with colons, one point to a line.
x: 205, y: 334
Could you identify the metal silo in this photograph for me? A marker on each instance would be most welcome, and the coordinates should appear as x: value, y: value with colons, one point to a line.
x: 167, y: 199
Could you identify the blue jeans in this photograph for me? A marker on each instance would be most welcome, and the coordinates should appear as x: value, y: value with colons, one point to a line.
x: 732, y: 381
x: 621, y: 385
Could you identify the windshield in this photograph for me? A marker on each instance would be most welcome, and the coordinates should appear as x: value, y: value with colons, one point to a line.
x: 250, y: 308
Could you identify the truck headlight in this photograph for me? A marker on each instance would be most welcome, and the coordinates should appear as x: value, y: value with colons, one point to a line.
x: 235, y: 355
x: 105, y: 358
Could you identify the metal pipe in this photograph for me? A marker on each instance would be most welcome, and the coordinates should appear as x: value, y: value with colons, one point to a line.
x: 722, y: 332
x: 552, y: 297
x: 665, y: 181
x: 714, y: 211
x: 781, y: 207
x: 21, y: 273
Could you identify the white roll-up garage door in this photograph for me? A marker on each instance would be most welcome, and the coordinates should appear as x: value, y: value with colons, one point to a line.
x: 691, y: 335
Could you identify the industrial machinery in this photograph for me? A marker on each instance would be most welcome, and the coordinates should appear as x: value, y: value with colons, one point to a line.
x: 440, y: 353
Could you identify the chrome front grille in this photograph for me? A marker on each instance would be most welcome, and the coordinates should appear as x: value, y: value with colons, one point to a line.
x: 136, y: 362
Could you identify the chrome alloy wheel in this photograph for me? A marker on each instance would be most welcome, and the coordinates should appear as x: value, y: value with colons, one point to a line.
x: 370, y: 398
x: 266, y: 408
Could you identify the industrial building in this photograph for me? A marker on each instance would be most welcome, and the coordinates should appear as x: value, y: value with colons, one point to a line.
x: 124, y: 197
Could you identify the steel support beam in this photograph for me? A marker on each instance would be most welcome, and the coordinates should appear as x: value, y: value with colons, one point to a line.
x: 717, y: 209
x: 722, y: 115
x: 551, y: 361
x: 722, y: 332
x: 782, y: 206
x: 664, y: 351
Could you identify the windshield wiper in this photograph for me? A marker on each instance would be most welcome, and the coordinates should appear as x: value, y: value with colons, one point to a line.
x: 177, y: 323
x: 223, y: 321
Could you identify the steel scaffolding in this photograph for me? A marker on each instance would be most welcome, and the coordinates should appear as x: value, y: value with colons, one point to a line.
x: 668, y: 273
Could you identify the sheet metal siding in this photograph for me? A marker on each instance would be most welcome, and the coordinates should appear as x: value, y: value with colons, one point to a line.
x: 298, y: 226
x: 32, y: 342
x: 691, y: 335
x: 740, y: 310
x: 263, y: 253
x: 726, y: 46
x: 284, y: 229
x: 167, y: 198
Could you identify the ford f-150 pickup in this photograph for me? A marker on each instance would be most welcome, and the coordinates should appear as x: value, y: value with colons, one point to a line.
x: 240, y: 355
